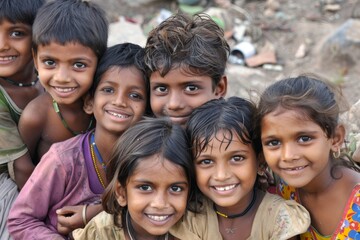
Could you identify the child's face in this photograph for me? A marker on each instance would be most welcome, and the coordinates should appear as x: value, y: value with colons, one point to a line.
x: 15, y: 50
x: 156, y: 196
x: 120, y: 99
x: 226, y: 172
x: 65, y: 71
x: 177, y: 94
x: 296, y: 149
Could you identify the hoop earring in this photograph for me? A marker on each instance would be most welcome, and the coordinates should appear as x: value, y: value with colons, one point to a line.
x: 336, y: 154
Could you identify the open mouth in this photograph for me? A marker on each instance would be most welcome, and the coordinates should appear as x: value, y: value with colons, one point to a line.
x: 118, y: 115
x: 64, y: 90
x: 158, y: 218
x: 225, y: 188
x: 8, y: 58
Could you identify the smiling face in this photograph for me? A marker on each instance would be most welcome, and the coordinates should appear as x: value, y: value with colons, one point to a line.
x: 15, y: 51
x: 226, y: 172
x: 156, y: 196
x: 295, y: 148
x: 177, y: 94
x: 120, y: 100
x: 65, y: 71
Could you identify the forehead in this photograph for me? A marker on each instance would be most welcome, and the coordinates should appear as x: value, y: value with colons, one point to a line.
x: 129, y: 75
x: 224, y: 140
x: 67, y: 50
x: 157, y: 169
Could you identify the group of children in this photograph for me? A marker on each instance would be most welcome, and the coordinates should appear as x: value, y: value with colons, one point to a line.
x: 139, y: 143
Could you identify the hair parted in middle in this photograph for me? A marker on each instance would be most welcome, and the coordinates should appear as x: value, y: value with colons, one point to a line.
x: 148, y: 137
x: 195, y: 45
x: 71, y: 21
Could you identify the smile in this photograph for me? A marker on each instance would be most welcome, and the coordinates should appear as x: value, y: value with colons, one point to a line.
x: 64, y: 90
x: 225, y: 188
x: 7, y: 58
x: 158, y: 218
x: 295, y: 168
x: 118, y: 115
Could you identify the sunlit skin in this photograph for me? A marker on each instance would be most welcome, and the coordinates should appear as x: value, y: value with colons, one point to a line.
x: 156, y: 196
x: 298, y: 150
x: 294, y: 148
x: 16, y: 62
x: 226, y: 173
x: 66, y: 71
x: 177, y: 94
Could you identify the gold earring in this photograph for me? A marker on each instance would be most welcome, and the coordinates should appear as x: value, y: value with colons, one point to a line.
x: 336, y: 154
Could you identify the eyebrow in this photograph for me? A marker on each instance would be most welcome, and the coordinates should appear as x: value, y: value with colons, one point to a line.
x: 149, y: 182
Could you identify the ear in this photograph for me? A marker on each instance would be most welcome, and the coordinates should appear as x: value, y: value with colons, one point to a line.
x: 88, y: 104
x: 34, y: 54
x: 120, y: 192
x: 338, y: 138
x: 221, y: 87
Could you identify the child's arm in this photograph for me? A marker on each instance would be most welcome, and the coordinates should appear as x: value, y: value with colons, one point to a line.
x: 72, y: 217
x: 23, y: 167
x: 32, y: 122
x: 30, y: 216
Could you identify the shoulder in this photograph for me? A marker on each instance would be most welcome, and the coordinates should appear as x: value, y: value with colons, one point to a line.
x: 287, y: 218
x: 37, y: 109
x: 100, y: 227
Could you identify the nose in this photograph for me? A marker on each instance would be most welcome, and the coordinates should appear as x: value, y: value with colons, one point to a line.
x: 175, y: 101
x: 4, y: 45
x: 119, y: 99
x: 62, y: 74
x: 289, y: 152
x: 222, y: 172
x: 160, y: 200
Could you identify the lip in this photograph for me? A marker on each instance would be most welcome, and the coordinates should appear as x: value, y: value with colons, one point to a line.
x: 293, y: 170
x: 225, y: 189
x: 181, y: 120
x: 64, y: 92
x: 7, y: 59
x: 158, y: 219
x: 117, y: 114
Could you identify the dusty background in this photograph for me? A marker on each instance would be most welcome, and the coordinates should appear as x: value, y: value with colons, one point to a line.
x: 288, y: 26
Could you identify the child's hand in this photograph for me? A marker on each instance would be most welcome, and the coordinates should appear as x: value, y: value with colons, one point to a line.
x: 69, y: 218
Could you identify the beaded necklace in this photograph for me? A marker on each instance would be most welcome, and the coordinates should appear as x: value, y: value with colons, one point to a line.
x: 95, y: 165
x: 21, y: 84
x: 251, y: 204
x: 57, y: 110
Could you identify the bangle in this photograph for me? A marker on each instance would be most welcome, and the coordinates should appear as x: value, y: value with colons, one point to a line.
x: 84, y: 214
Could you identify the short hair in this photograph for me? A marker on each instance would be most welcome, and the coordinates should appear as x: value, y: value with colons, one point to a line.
x: 232, y: 115
x: 148, y: 137
x: 23, y: 11
x: 65, y: 21
x: 196, y: 45
x: 122, y: 55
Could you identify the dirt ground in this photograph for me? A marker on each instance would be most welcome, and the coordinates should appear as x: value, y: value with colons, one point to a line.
x: 286, y: 25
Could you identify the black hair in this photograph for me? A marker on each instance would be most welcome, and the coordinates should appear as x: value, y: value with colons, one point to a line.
x: 122, y: 55
x: 23, y: 11
x: 77, y: 21
x: 146, y: 138
x: 195, y: 45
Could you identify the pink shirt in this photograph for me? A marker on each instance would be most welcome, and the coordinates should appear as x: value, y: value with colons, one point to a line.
x: 60, y: 179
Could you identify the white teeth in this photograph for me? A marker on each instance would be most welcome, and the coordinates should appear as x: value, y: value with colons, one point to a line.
x: 65, y: 90
x: 295, y: 168
x: 7, y: 58
x: 158, y: 218
x: 118, y: 115
x: 227, y: 188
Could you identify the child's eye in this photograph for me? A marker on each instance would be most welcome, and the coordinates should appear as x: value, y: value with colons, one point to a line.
x: 16, y: 34
x: 176, y: 189
x: 238, y: 158
x: 191, y: 88
x: 79, y: 65
x: 272, y: 143
x: 205, y: 162
x: 49, y: 63
x: 145, y: 188
x: 108, y: 90
x: 304, y: 139
x: 161, y: 89
x: 136, y: 96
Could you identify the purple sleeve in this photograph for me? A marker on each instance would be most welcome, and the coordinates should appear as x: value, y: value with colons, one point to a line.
x: 30, y: 216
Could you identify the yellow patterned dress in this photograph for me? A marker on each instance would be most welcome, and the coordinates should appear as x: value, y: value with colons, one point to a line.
x: 349, y: 226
